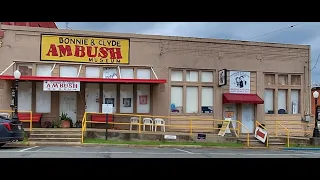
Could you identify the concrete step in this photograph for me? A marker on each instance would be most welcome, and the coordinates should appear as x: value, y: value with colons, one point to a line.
x: 55, y: 135
x: 40, y: 143
x: 55, y: 139
x: 55, y: 132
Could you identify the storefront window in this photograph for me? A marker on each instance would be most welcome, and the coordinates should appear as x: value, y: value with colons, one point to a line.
x: 295, y: 95
x: 43, y: 99
x: 268, y: 101
x: 282, y: 101
x: 143, y: 98
x: 126, y: 98
x: 127, y: 73
x: 110, y: 95
x: 207, y: 99
x: 43, y: 70
x: 176, y: 99
x: 192, y: 100
x: 143, y: 74
x: 176, y: 75
x: 68, y: 71
x: 92, y: 72
x: 25, y: 96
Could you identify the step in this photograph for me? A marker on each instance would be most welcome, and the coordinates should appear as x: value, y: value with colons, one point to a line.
x: 56, y: 139
x: 40, y: 143
x: 56, y: 132
x: 55, y: 135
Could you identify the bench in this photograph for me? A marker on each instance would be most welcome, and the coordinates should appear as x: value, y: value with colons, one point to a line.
x: 101, y: 118
x: 25, y: 117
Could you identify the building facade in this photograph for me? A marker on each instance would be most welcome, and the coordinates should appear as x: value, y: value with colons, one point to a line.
x: 77, y: 71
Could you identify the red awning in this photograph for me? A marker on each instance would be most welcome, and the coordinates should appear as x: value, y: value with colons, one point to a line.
x: 241, y: 98
x: 43, y: 78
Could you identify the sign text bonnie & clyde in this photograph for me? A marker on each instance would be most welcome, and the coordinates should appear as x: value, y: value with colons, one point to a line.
x: 61, y: 86
x: 84, y: 49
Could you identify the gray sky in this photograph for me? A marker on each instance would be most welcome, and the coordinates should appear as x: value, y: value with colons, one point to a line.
x: 304, y: 33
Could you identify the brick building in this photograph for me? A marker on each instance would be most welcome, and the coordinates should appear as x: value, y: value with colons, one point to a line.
x: 157, y: 75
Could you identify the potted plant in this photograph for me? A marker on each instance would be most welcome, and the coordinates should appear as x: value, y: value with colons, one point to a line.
x: 66, y: 121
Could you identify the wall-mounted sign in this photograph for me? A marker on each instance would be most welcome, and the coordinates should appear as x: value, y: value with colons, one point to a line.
x: 61, y: 86
x: 84, y: 49
x: 222, y: 77
x: 239, y: 82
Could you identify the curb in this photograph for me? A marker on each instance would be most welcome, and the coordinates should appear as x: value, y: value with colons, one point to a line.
x: 171, y: 146
x: 303, y: 149
x: 18, y: 144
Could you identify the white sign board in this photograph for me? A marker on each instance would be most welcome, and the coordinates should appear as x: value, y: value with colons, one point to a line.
x: 170, y: 137
x: 61, y: 86
x: 239, y: 82
x: 107, y: 108
x: 261, y: 134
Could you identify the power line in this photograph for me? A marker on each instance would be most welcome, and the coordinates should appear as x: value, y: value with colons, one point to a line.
x: 314, y: 66
x: 276, y: 31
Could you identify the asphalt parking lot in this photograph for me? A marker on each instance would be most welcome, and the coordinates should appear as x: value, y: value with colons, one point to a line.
x: 125, y: 152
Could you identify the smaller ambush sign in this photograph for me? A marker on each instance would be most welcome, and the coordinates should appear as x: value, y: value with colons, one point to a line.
x: 61, y: 86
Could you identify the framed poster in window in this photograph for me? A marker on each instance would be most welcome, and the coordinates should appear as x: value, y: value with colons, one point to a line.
x: 222, y: 77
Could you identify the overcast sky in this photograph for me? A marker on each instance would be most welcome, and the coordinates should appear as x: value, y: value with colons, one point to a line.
x: 307, y: 33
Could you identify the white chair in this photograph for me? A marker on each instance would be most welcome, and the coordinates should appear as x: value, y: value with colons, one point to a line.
x: 148, y: 122
x: 159, y: 122
x: 134, y: 121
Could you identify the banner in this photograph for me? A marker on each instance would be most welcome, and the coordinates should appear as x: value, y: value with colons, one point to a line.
x: 84, y: 49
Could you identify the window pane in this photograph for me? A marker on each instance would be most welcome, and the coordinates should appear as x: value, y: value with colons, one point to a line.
x: 143, y: 98
x: 192, y: 100
x: 25, y: 96
x: 43, y: 99
x: 192, y: 76
x: 44, y: 70
x: 206, y: 77
x: 207, y: 99
x: 176, y: 99
x: 269, y: 79
x: 126, y: 98
x: 110, y: 95
x: 143, y: 73
x: 176, y: 75
x: 25, y: 69
x: 93, y: 72
x: 295, y: 105
x: 68, y: 71
x: 282, y: 101
x: 126, y: 73
x: 283, y: 79
x: 110, y: 73
x: 268, y: 101
x: 295, y: 80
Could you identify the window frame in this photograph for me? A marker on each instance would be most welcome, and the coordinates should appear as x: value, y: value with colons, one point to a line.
x: 199, y: 84
x: 288, y: 87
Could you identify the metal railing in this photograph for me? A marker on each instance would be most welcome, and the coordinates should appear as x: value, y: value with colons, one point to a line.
x: 287, y: 131
x: 191, y: 127
x: 258, y: 124
x: 30, y: 120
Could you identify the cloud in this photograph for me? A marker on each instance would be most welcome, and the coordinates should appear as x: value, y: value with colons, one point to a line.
x: 306, y: 33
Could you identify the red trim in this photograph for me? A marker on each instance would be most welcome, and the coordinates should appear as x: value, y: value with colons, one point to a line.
x: 228, y: 98
x: 43, y: 78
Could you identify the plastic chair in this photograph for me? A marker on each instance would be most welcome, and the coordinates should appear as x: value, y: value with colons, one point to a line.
x: 148, y: 122
x: 134, y: 121
x: 159, y: 122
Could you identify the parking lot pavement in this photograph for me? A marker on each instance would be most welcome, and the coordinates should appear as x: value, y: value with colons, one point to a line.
x: 125, y: 152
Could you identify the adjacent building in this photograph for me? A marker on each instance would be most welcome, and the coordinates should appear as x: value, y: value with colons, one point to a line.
x: 76, y: 71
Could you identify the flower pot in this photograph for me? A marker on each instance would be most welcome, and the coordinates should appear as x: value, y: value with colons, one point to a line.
x: 65, y: 124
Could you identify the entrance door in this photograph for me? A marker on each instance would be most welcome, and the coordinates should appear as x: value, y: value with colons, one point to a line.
x: 247, y: 118
x: 68, y: 104
x: 92, y: 97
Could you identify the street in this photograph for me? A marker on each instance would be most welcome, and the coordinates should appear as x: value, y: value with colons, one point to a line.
x: 125, y: 152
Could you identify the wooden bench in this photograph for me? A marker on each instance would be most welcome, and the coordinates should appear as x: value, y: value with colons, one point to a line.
x: 25, y: 117
x: 101, y: 118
